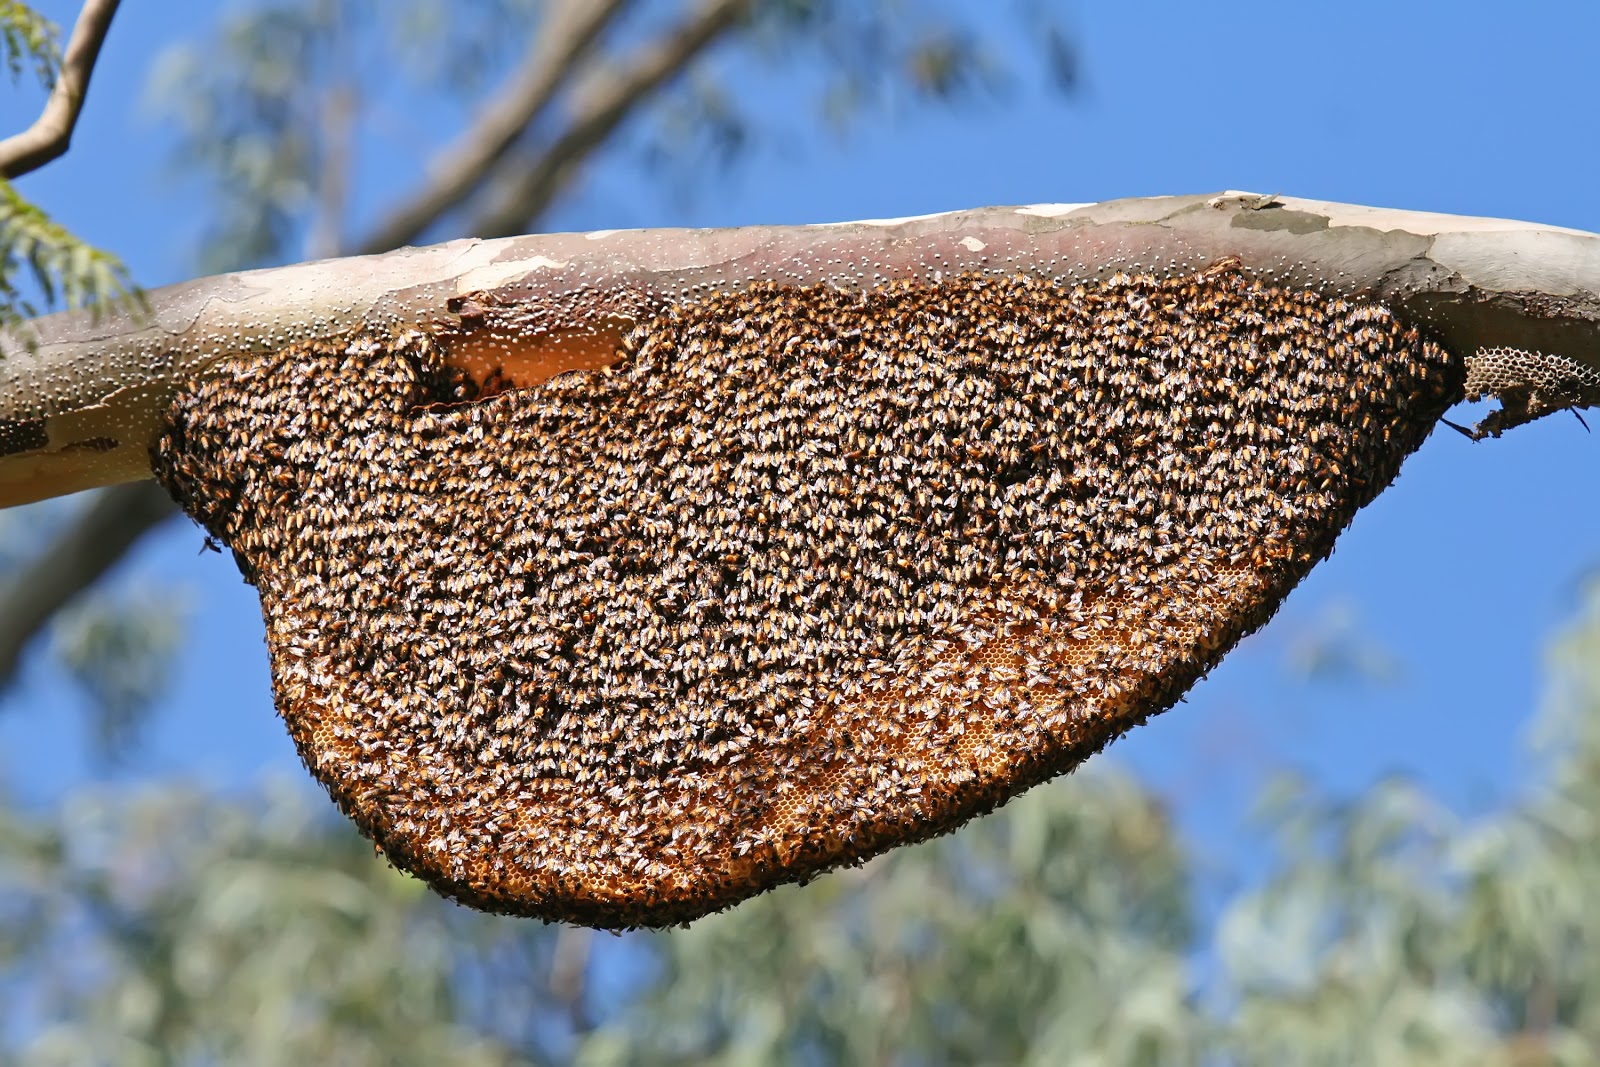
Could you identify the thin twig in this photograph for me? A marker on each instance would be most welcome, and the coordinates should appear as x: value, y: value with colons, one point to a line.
x: 51, y: 134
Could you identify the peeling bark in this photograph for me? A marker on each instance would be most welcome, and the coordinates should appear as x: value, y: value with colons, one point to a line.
x: 80, y: 393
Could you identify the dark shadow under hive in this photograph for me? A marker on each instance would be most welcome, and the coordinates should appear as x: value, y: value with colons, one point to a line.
x: 809, y: 573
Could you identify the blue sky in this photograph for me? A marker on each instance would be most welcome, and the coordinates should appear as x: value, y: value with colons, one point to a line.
x: 1461, y: 572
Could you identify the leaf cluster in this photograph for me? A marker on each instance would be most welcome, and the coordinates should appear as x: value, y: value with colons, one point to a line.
x: 43, y: 265
x: 28, y: 40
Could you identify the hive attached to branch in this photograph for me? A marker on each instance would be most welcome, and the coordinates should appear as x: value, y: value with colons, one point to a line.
x: 808, y: 573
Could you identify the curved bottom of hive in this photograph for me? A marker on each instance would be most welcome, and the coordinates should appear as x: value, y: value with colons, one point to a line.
x: 909, y: 778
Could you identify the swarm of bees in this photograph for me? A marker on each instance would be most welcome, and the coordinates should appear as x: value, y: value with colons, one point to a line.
x: 810, y: 572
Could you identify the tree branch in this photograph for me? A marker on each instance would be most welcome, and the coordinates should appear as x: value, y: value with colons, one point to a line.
x: 51, y: 134
x: 80, y: 405
x: 93, y: 543
x: 525, y: 187
x: 570, y: 33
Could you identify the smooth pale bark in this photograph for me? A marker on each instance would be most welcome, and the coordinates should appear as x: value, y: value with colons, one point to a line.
x: 80, y: 399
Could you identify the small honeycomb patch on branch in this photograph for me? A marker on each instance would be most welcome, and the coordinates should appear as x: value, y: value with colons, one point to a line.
x: 809, y: 573
x: 1529, y: 385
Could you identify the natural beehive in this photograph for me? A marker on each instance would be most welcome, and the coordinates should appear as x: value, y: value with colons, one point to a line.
x: 810, y: 572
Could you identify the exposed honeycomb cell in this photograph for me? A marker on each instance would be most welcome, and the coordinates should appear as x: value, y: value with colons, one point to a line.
x: 1528, y: 385
x: 809, y: 573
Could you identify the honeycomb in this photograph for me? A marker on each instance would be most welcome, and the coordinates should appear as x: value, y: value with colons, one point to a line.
x: 808, y: 573
x: 1529, y: 385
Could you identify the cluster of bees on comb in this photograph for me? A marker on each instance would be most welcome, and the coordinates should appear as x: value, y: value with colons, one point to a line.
x: 809, y: 572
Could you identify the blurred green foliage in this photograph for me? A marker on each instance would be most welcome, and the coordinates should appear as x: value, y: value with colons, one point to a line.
x: 118, y: 646
x: 169, y: 925
x: 29, y: 41
x: 43, y: 266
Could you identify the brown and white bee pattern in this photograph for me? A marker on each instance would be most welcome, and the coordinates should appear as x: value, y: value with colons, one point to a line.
x: 809, y: 572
